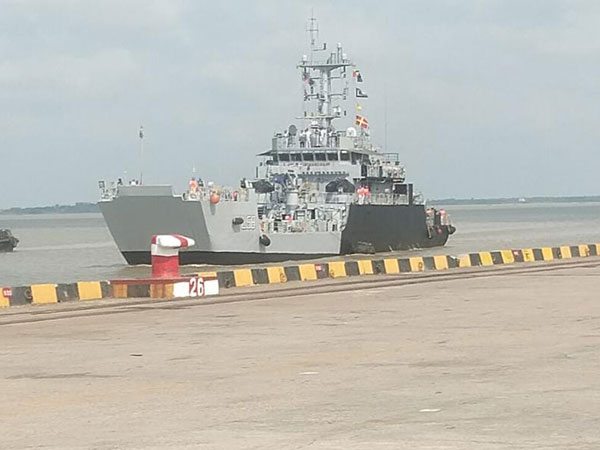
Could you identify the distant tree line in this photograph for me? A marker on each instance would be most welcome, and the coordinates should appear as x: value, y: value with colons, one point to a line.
x: 510, y: 200
x: 56, y: 209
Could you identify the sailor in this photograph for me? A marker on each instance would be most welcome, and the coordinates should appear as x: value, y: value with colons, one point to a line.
x: 193, y: 185
x: 302, y: 139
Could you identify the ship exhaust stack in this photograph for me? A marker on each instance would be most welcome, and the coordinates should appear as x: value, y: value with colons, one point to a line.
x: 165, y: 254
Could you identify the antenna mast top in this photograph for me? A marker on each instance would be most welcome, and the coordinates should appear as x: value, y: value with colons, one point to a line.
x: 313, y: 30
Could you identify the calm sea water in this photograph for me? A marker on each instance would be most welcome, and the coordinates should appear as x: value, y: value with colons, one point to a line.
x: 73, y: 247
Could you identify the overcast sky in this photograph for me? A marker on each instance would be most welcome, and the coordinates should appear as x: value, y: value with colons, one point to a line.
x: 484, y: 98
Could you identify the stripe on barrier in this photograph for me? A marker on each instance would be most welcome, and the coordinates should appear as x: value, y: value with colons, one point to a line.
x: 597, y: 249
x: 307, y: 272
x: 584, y: 250
x: 162, y: 290
x: 475, y: 259
x: 537, y: 254
x: 497, y: 257
x: 593, y: 250
x: 351, y: 268
x: 565, y: 252
x: 365, y: 267
x: 67, y: 292
x: 120, y: 290
x: 243, y: 277
x: 21, y: 296
x: 43, y: 293
x: 404, y: 265
x: 226, y: 279
x: 416, y: 264
x: 574, y: 251
x: 528, y: 255
x: 507, y: 256
x: 440, y: 262
x: 138, y: 290
x: 391, y: 266
x: 556, y: 252
x: 464, y: 261
x: 337, y: 269
x: 89, y: 290
x: 322, y: 271
x: 292, y: 273
x: 378, y: 266
x: 486, y: 258
x: 207, y: 274
x: 428, y: 263
x: 547, y: 254
x: 452, y: 262
x: 276, y: 275
x: 518, y: 255
x: 259, y: 276
x: 4, y: 301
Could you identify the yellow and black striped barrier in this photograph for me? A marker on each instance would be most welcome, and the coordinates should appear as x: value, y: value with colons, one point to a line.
x: 369, y: 266
x: 93, y: 290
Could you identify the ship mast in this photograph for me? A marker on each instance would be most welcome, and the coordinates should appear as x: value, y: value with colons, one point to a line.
x: 318, y: 76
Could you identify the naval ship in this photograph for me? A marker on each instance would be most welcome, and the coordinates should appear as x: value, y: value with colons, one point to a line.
x: 318, y: 190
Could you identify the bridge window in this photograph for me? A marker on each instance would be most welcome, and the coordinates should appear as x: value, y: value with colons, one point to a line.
x: 344, y: 156
x: 320, y: 156
x: 308, y: 156
x: 332, y: 156
x: 296, y: 157
x: 284, y: 157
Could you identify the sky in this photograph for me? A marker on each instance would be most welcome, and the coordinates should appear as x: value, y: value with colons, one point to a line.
x: 482, y: 98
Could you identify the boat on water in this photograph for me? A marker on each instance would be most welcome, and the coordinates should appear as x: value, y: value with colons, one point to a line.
x: 7, y: 241
x: 318, y: 190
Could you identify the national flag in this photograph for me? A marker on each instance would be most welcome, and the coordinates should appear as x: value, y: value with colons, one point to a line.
x: 141, y: 132
x: 362, y: 121
x: 356, y: 74
x: 360, y: 94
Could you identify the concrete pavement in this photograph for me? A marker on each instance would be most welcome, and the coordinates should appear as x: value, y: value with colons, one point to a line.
x: 509, y: 361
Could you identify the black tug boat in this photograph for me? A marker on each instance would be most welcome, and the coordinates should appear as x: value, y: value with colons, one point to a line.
x: 7, y: 241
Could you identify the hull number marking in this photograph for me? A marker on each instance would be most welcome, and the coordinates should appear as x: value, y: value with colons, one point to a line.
x: 249, y: 223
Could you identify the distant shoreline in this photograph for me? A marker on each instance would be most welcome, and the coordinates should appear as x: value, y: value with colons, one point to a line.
x: 514, y: 200
x: 82, y: 207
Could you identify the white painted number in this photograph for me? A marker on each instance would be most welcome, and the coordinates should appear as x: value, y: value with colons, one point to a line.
x: 249, y: 223
x: 196, y: 287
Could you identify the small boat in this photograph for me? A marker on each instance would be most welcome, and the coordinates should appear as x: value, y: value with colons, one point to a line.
x: 7, y: 241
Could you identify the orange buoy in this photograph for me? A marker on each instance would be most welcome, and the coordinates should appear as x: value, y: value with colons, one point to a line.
x: 214, y: 198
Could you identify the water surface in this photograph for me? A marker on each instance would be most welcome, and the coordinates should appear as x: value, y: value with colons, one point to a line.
x: 72, y: 247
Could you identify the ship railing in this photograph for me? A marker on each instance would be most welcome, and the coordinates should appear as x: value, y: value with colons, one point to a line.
x: 380, y: 199
x: 299, y: 226
x: 355, y: 198
x: 224, y: 194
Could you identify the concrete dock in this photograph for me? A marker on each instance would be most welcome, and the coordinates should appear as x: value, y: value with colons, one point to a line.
x: 505, y: 361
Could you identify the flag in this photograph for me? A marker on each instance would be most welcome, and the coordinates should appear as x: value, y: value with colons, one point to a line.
x: 356, y: 74
x: 362, y: 121
x: 141, y: 133
x: 358, y: 106
x: 360, y: 94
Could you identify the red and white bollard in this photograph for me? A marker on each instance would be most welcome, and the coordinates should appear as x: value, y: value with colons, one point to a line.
x: 165, y: 254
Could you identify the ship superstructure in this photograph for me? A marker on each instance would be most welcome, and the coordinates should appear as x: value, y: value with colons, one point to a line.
x: 317, y: 191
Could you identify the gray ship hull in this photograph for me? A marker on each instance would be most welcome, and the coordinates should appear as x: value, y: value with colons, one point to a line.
x: 140, y: 212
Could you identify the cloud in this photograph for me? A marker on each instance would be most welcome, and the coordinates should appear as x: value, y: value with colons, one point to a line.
x: 473, y: 88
